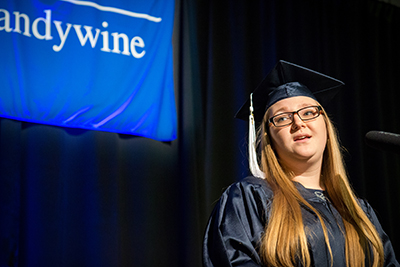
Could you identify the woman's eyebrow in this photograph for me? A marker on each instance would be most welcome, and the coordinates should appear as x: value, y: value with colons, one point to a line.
x: 286, y: 108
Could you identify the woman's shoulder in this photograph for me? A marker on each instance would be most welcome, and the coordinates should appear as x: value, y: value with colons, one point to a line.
x: 255, y: 182
x: 366, y: 207
x: 250, y: 197
x: 250, y: 185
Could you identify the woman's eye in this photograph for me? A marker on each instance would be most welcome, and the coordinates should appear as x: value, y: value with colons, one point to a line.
x: 282, y: 119
x: 308, y: 113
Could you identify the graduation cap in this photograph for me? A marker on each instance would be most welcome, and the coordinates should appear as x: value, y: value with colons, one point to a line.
x: 285, y: 80
x: 288, y: 80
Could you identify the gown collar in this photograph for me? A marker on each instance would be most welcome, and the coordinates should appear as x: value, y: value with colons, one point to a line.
x: 314, y: 195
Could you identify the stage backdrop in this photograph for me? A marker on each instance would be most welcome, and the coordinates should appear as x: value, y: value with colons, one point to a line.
x: 71, y: 197
x: 102, y: 66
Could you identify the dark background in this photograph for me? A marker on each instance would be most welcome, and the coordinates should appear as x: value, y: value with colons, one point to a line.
x: 85, y: 198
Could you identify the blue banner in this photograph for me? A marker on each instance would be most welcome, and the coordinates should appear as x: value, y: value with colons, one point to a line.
x: 104, y: 65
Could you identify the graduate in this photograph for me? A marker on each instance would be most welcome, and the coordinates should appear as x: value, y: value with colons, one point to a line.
x: 298, y: 208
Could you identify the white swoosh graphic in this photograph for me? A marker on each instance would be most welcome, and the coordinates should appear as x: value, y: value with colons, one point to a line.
x: 114, y: 9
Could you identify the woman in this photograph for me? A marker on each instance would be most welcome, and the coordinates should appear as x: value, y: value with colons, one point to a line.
x: 298, y: 209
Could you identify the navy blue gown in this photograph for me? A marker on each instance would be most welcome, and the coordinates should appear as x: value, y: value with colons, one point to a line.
x: 238, y: 220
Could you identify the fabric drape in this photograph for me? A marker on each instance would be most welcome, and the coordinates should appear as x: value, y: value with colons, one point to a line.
x: 88, y: 198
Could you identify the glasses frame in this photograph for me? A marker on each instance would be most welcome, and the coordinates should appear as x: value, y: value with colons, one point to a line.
x: 271, y: 120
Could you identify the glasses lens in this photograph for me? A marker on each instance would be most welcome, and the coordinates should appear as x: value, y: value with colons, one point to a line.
x: 308, y: 113
x: 283, y: 119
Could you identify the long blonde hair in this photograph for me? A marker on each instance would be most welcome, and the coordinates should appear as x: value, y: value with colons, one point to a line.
x: 285, y: 240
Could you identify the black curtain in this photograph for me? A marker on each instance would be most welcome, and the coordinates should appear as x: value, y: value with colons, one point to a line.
x: 86, y: 198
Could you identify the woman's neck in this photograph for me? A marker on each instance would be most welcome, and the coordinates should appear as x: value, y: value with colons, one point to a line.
x: 309, y: 175
x: 309, y: 180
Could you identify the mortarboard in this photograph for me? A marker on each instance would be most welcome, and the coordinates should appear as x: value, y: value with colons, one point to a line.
x: 288, y: 80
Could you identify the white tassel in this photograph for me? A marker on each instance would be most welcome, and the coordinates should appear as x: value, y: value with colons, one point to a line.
x: 254, y: 167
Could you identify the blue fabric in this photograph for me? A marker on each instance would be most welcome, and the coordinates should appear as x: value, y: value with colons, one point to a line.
x: 288, y: 90
x: 102, y: 66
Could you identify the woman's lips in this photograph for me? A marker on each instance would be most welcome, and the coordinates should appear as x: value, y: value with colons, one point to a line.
x: 300, y: 138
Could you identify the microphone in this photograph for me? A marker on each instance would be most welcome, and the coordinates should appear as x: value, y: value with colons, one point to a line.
x: 383, y: 141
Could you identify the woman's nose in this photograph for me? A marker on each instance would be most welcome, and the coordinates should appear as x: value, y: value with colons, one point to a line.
x: 297, y: 122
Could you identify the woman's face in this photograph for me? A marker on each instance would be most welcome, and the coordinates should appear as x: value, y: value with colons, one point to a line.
x: 301, y: 141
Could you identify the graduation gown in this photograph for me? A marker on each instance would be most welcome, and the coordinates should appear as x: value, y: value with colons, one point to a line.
x: 238, y: 221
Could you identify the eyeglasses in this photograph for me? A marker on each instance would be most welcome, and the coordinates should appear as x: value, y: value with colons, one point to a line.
x: 305, y: 114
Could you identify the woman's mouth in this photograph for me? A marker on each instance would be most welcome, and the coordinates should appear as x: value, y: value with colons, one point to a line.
x: 301, y: 138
